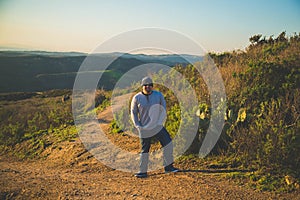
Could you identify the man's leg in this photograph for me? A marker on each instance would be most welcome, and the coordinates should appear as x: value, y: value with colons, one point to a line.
x: 144, y: 156
x: 165, y: 140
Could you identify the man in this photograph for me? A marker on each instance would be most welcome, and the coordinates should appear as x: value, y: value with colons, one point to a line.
x: 148, y: 112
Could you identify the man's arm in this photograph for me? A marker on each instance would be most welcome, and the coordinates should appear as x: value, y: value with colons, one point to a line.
x: 162, y: 111
x: 134, y: 113
x: 163, y: 102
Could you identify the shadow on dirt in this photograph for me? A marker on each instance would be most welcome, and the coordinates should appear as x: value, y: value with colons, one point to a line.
x: 207, y: 171
x: 217, y: 170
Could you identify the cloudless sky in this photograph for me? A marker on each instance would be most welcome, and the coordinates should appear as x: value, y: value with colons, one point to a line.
x: 78, y: 25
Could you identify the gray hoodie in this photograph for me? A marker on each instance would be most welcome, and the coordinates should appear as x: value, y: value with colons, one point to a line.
x: 148, y: 111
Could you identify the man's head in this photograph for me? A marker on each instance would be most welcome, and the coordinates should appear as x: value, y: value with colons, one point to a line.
x: 147, y: 84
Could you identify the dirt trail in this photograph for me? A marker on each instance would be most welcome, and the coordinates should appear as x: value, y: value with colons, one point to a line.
x: 70, y: 172
x: 39, y: 180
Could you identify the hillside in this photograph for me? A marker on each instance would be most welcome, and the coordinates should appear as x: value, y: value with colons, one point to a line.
x: 31, y: 71
x: 255, y: 157
x: 63, y: 169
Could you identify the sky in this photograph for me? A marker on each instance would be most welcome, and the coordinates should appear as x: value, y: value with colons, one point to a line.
x: 78, y: 25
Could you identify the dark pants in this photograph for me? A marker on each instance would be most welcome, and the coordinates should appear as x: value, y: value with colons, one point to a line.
x: 165, y: 140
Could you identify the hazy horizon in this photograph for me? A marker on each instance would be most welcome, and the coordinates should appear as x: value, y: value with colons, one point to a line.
x: 7, y: 49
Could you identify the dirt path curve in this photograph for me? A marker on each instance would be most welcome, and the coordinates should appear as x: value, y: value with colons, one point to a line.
x: 70, y: 172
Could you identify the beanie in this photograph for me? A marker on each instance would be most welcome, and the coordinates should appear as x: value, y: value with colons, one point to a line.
x: 146, y: 80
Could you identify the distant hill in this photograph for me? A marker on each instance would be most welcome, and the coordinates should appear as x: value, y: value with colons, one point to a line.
x: 30, y: 71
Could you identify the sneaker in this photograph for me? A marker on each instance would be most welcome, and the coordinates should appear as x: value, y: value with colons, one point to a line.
x: 171, y: 170
x: 141, y: 175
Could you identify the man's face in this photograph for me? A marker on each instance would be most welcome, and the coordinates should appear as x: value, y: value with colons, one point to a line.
x: 147, y: 88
